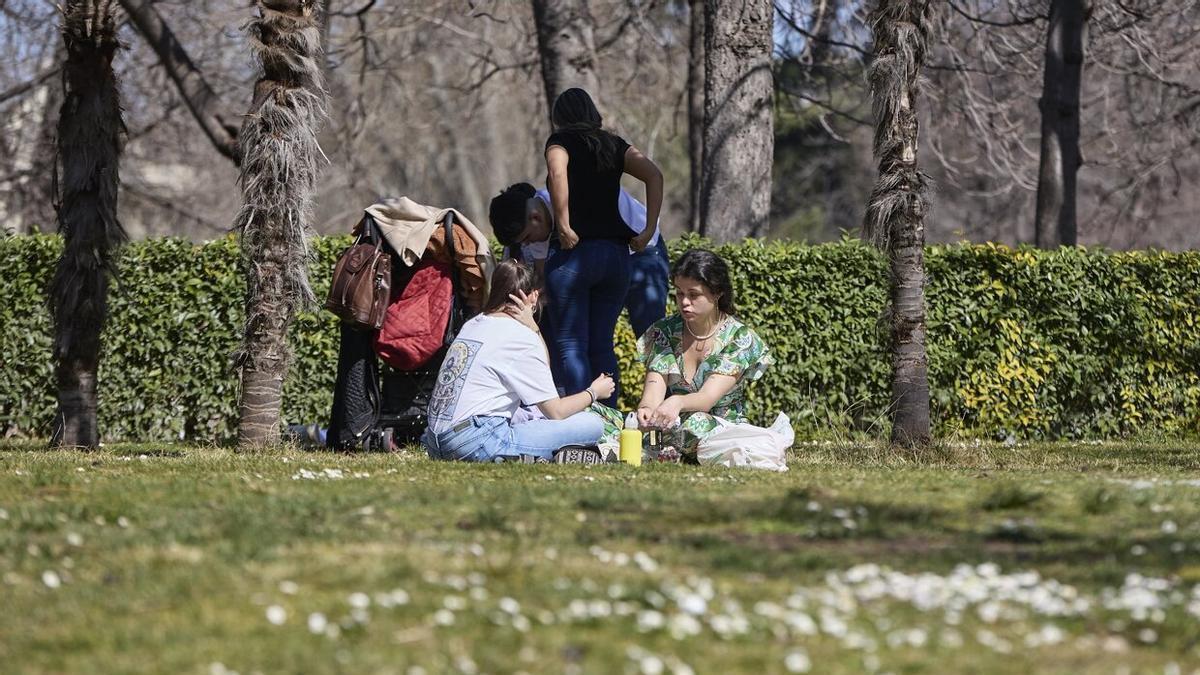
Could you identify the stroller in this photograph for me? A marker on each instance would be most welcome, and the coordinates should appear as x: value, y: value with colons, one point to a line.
x: 379, y: 407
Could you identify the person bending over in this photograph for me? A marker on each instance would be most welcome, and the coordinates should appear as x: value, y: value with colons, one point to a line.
x: 521, y: 219
x: 497, y: 363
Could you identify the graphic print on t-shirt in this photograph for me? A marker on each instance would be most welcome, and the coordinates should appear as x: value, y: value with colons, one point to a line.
x: 451, y: 379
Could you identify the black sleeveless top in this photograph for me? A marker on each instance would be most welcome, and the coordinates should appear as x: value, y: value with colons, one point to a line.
x: 593, y: 192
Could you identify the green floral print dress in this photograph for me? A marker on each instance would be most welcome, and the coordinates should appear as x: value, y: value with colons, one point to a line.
x: 737, y: 351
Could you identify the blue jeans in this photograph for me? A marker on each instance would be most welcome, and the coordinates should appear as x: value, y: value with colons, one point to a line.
x: 487, y: 439
x: 587, y: 286
x: 648, y: 281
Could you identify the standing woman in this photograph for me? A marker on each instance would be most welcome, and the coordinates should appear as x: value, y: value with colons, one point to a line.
x: 587, y: 271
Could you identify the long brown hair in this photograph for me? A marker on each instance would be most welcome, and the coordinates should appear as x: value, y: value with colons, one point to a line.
x: 510, y: 276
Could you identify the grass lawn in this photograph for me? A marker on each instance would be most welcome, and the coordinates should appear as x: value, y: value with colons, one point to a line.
x: 980, y: 558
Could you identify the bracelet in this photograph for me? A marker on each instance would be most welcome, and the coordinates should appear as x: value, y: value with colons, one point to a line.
x: 592, y: 394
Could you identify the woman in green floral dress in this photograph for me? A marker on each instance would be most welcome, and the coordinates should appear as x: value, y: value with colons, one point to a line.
x: 699, y: 361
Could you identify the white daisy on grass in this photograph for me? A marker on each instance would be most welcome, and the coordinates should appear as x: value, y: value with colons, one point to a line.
x: 648, y: 620
x: 644, y: 562
x: 317, y: 623
x: 276, y: 615
x: 797, y: 661
x: 682, y: 626
x: 692, y: 603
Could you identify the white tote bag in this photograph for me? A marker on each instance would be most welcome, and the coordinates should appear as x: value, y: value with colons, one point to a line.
x: 746, y: 445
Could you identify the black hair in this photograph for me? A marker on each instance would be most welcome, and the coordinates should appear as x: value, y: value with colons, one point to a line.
x: 709, y: 269
x: 574, y: 112
x: 507, y: 212
x: 509, y: 277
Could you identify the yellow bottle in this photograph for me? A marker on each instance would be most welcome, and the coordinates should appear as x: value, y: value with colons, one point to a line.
x: 631, y: 442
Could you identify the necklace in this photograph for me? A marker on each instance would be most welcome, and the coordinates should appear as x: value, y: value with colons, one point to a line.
x: 716, y: 328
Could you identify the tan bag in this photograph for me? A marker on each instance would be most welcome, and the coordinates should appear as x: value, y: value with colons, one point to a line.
x: 362, y: 281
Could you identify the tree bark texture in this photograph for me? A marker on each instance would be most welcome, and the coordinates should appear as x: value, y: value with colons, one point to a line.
x: 40, y: 195
x: 280, y: 158
x: 739, y: 142
x: 217, y: 123
x: 695, y: 102
x: 464, y: 169
x: 566, y: 47
x: 1055, y: 223
x: 895, y: 215
x: 90, y: 139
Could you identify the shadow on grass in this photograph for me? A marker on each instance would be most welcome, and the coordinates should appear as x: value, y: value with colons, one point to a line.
x: 808, y: 529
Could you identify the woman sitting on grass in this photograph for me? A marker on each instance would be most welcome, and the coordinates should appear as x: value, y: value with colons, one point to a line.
x: 497, y: 363
x: 699, y: 361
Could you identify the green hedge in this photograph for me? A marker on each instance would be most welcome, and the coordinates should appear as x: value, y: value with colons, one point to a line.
x: 1073, y: 343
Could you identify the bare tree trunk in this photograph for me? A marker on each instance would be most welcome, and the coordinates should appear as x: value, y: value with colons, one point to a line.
x: 326, y: 9
x: 1054, y: 224
x: 280, y: 157
x: 566, y: 47
x: 695, y: 101
x: 218, y: 124
x: 90, y: 140
x: 739, y: 142
x: 40, y: 211
x: 824, y: 18
x: 895, y: 216
x: 469, y: 186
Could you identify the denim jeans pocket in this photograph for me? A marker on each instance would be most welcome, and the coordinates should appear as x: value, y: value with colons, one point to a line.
x: 476, y: 443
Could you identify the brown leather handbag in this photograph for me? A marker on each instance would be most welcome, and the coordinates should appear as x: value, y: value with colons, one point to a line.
x: 362, y: 281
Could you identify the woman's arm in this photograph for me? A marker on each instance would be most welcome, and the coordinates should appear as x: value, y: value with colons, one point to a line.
x: 714, y: 388
x: 556, y: 182
x: 652, y: 396
x: 561, y: 408
x: 644, y: 169
x: 521, y: 308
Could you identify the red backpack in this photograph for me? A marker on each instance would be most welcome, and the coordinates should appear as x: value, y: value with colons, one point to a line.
x: 414, y: 327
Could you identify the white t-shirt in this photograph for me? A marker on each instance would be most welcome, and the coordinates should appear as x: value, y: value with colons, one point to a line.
x: 493, y: 367
x: 632, y: 212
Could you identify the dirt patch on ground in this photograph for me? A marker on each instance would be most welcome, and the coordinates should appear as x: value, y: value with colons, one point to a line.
x: 871, y: 547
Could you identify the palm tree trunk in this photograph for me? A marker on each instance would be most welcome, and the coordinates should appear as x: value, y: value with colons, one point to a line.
x: 739, y: 128
x: 278, y: 174
x: 90, y: 140
x: 695, y: 102
x: 895, y: 215
x: 566, y: 47
x: 1055, y: 223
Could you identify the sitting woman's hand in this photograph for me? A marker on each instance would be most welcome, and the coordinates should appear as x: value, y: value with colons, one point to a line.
x: 666, y: 413
x: 521, y: 308
x: 603, y: 386
x: 567, y: 239
x: 644, y: 413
